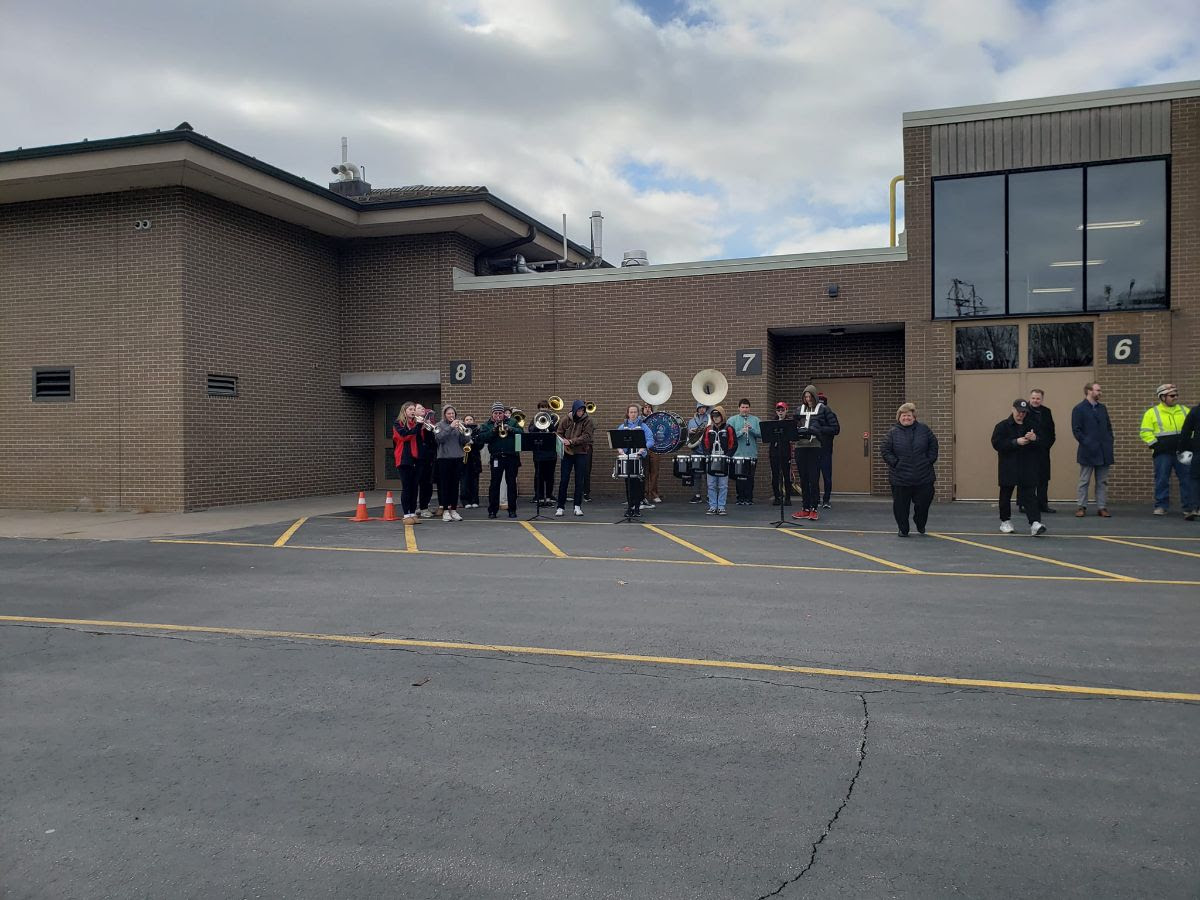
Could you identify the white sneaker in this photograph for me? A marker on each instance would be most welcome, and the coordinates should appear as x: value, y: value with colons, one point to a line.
x: 559, y: 512
x: 1037, y: 528
x: 1159, y: 511
x: 578, y: 511
x: 446, y: 516
x: 455, y: 516
x: 1006, y: 527
x: 426, y: 514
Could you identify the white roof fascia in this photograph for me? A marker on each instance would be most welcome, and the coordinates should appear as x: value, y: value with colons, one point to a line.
x: 465, y: 281
x: 1091, y: 100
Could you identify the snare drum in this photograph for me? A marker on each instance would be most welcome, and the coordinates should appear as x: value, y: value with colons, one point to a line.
x: 742, y: 468
x: 683, y: 467
x: 629, y: 467
x: 699, y: 463
x: 718, y: 465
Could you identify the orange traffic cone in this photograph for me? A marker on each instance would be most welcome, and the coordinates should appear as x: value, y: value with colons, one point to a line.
x: 361, y: 514
x: 389, y: 508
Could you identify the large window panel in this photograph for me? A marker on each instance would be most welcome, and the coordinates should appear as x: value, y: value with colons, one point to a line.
x: 1045, y: 242
x: 1060, y: 345
x: 968, y: 273
x: 985, y: 347
x: 1127, y: 235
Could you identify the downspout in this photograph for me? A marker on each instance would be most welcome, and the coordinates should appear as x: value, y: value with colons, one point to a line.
x: 496, y: 251
x: 892, y: 206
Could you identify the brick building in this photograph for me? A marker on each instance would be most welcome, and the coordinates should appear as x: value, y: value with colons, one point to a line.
x: 183, y: 326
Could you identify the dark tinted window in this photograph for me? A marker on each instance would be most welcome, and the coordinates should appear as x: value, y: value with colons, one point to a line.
x: 986, y: 347
x: 1060, y: 345
x: 1127, y: 235
x: 1045, y: 241
x: 968, y: 269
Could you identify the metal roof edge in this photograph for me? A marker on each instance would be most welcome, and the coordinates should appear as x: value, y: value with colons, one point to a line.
x: 465, y: 281
x: 1089, y: 100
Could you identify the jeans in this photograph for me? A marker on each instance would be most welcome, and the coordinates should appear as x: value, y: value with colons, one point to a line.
x: 1085, y: 479
x: 718, y: 491
x: 1164, y: 464
x: 579, y: 464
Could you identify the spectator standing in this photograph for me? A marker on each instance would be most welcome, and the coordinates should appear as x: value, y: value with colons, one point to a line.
x: 1093, y: 431
x: 1162, y: 425
x: 1042, y: 421
x: 1189, y: 450
x: 1019, y: 465
x: 910, y: 450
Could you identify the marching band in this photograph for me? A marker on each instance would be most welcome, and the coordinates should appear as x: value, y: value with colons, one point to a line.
x: 710, y: 450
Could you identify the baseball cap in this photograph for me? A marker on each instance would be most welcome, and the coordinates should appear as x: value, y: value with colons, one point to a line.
x: 781, y: 405
x: 1021, y: 405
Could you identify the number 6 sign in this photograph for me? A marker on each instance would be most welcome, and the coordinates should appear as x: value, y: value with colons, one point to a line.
x: 1124, y: 349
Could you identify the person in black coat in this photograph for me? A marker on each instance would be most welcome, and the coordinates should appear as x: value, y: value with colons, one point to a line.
x: 816, y: 425
x: 1041, y: 420
x: 910, y: 451
x: 1189, y: 442
x: 1020, y: 466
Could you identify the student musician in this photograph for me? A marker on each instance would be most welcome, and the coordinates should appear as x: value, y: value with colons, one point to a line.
x: 696, y: 425
x: 815, y: 424
x: 544, y: 461
x: 652, y: 464
x: 719, y: 440
x: 407, y: 444
x: 451, y: 436
x: 472, y: 467
x: 635, y: 488
x: 499, y: 435
x: 746, y: 427
x: 576, y: 431
x: 780, y: 454
x: 426, y: 462
x: 826, y: 467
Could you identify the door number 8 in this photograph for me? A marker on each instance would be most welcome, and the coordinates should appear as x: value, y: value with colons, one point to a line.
x: 460, y: 371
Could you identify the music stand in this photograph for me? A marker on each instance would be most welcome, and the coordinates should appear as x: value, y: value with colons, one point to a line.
x: 537, y: 442
x: 627, y: 439
x: 776, y: 432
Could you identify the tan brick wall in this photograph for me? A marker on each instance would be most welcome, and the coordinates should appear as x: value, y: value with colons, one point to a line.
x: 82, y: 287
x: 262, y: 302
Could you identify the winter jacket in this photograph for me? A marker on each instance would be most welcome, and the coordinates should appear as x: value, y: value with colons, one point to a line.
x: 580, y: 432
x: 910, y: 452
x: 1018, y: 463
x: 489, y: 437
x: 639, y: 424
x: 406, y: 442
x: 1161, y: 426
x: 1093, y: 430
x: 450, y: 441
x: 1189, y: 435
x: 747, y: 444
x: 817, y: 425
x: 1043, y: 426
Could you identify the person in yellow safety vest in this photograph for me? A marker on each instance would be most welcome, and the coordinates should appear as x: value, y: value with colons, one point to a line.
x: 1161, y: 426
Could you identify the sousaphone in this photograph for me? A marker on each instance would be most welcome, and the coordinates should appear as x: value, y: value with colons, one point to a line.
x: 654, y: 387
x: 709, y: 387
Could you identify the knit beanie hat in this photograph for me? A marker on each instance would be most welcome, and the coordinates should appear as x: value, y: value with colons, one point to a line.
x: 497, y: 406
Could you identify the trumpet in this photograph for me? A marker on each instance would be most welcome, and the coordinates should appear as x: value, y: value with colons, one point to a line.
x: 502, y: 430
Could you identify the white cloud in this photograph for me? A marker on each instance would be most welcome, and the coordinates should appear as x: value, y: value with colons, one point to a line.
x: 767, y: 119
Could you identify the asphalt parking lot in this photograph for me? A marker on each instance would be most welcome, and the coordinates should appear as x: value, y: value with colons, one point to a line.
x: 685, y: 707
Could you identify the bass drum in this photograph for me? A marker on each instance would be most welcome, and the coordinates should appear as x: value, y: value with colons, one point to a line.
x: 667, y: 429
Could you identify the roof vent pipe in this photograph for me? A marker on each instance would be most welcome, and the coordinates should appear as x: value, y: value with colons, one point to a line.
x: 597, y: 221
x: 635, y: 258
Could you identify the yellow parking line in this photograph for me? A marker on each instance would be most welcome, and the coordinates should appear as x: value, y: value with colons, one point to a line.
x: 1057, y: 562
x: 287, y: 535
x: 410, y: 538
x: 698, y: 562
x: 867, y: 556
x: 1113, y: 540
x: 1040, y: 687
x: 543, y: 540
x: 719, y: 560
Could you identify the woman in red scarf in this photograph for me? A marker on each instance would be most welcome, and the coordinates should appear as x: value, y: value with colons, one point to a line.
x: 406, y: 439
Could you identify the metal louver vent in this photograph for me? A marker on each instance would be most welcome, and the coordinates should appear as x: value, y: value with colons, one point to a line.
x: 222, y: 385
x: 53, y: 384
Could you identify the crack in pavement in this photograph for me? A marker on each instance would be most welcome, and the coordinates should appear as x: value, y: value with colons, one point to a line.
x: 812, y: 856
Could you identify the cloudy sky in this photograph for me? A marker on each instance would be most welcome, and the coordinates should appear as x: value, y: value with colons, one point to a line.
x: 702, y: 128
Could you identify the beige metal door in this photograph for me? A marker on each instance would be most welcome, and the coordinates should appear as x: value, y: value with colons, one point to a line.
x: 981, y: 399
x: 850, y: 398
